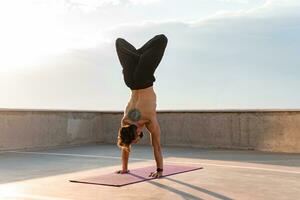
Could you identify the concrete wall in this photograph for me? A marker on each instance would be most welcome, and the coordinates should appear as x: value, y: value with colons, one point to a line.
x: 264, y: 130
x: 32, y: 129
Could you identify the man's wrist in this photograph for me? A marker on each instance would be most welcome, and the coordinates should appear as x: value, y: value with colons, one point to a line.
x: 159, y: 169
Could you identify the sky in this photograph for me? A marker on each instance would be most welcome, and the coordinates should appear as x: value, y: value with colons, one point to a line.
x: 221, y: 54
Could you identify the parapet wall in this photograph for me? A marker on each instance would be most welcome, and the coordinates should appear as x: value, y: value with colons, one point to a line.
x: 263, y: 130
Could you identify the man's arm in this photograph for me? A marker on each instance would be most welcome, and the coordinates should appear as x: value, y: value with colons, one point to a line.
x: 125, y: 158
x: 124, y: 121
x: 125, y: 154
x: 154, y: 130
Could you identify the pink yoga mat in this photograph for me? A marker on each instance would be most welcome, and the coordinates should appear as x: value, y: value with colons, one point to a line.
x: 134, y: 176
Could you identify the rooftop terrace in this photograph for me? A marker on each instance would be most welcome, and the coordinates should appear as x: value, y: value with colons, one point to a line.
x: 245, y: 154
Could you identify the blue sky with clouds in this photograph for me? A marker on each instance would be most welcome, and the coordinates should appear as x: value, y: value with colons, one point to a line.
x: 221, y: 54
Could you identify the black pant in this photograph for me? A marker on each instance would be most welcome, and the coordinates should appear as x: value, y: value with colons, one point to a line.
x: 139, y: 65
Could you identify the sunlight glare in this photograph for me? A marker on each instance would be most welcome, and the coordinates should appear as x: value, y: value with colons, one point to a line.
x: 33, y: 31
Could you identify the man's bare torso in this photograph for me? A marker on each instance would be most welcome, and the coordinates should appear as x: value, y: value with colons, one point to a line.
x: 144, y: 100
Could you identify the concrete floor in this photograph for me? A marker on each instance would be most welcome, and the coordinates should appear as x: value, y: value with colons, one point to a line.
x: 227, y: 174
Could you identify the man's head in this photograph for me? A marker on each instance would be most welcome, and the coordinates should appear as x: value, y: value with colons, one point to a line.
x: 127, y: 135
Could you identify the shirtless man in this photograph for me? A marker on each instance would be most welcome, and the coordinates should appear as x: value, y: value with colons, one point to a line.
x: 139, y: 66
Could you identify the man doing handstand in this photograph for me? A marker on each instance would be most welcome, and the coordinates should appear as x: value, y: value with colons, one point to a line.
x: 139, y: 66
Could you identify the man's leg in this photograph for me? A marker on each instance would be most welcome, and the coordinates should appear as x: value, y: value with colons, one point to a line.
x: 129, y: 58
x: 155, y: 41
x: 151, y: 55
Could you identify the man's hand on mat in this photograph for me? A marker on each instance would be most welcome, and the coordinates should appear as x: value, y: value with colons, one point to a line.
x: 122, y: 171
x: 155, y: 174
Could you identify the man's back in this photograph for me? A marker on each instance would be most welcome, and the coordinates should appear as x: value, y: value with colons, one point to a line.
x: 144, y: 101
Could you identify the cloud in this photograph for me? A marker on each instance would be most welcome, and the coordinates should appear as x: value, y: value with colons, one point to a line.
x: 90, y: 5
x: 235, y: 1
x: 93, y: 5
x: 248, y: 53
x: 232, y: 59
x: 282, y: 2
x: 143, y: 2
x: 238, y: 59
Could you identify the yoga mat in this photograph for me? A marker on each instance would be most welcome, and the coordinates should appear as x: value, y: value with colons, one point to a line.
x: 134, y: 176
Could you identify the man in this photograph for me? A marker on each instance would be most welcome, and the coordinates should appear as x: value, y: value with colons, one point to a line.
x: 139, y: 66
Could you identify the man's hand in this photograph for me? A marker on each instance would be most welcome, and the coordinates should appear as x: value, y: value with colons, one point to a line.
x: 156, y: 174
x: 121, y: 171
